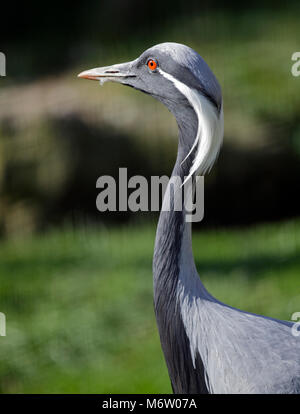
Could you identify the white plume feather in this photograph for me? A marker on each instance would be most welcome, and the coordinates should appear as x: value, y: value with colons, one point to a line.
x: 209, y: 136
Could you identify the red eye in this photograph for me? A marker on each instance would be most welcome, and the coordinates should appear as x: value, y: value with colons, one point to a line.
x: 152, y: 65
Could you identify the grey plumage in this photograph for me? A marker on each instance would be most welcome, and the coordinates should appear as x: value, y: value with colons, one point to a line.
x: 209, y: 347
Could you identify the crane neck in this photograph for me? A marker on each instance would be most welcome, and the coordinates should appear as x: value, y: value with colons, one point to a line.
x: 173, y: 255
x: 173, y: 235
x: 201, y: 123
x: 175, y: 278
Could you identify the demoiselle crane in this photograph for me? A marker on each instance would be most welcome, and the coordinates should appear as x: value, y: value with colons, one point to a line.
x: 209, y: 347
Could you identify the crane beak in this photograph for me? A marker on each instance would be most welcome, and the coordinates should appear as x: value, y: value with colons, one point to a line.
x: 114, y: 73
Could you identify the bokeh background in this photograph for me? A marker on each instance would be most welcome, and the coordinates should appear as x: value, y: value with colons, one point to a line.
x: 76, y: 284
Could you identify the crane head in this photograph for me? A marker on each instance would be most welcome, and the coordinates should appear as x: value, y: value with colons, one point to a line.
x: 160, y: 70
x: 178, y: 77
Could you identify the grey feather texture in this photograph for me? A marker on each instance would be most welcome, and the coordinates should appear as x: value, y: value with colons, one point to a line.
x: 241, y: 352
x: 231, y: 351
x: 189, y: 67
x: 209, y: 347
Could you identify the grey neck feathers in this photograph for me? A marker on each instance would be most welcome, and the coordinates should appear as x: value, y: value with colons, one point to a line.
x: 172, y: 232
x: 172, y: 224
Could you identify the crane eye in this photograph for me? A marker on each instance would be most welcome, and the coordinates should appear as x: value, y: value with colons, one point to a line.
x: 152, y: 65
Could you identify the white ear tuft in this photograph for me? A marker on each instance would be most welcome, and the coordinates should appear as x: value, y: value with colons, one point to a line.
x: 210, y: 131
x: 209, y: 135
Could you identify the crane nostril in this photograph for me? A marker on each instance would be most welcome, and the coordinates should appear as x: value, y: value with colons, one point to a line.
x: 111, y: 71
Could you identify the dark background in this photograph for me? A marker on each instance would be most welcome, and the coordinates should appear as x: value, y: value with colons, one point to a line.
x: 46, y: 40
x: 76, y: 284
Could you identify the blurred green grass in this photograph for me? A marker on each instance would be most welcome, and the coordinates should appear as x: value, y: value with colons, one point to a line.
x: 79, y: 307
